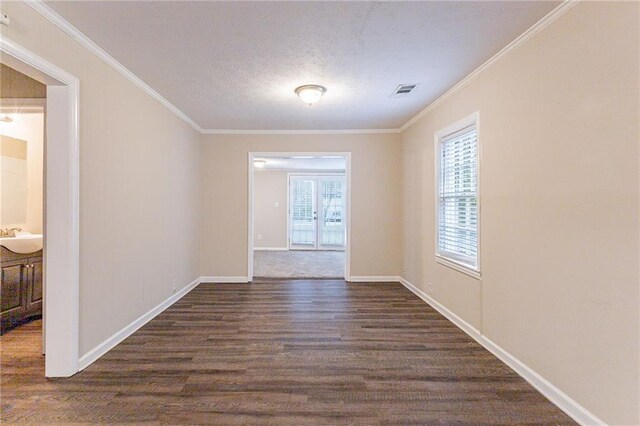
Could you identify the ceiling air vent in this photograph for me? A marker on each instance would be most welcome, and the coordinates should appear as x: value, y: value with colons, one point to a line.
x: 404, y: 89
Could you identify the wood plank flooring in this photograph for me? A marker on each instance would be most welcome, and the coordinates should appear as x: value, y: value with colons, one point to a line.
x: 279, y: 352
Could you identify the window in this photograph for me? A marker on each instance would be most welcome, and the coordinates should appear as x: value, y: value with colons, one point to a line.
x: 457, y: 204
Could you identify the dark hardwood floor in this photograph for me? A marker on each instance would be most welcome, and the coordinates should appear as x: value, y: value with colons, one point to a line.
x: 279, y: 352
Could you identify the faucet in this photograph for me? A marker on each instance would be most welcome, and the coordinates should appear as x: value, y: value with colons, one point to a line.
x: 9, y: 232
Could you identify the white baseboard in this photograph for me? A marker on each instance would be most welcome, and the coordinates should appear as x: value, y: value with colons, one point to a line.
x: 563, y: 401
x: 459, y: 322
x: 373, y: 279
x: 551, y: 392
x: 104, y: 347
x: 221, y: 280
x: 270, y: 249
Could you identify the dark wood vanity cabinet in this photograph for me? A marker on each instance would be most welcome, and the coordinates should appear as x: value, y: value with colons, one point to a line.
x: 20, y: 288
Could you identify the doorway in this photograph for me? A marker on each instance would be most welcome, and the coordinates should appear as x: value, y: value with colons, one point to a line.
x: 299, y: 215
x: 316, y: 211
x: 61, y: 255
x: 21, y: 200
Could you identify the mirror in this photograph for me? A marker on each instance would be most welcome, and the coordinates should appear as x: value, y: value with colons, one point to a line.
x: 13, y: 181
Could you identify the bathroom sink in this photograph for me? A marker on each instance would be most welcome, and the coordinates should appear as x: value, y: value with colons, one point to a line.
x: 23, y: 243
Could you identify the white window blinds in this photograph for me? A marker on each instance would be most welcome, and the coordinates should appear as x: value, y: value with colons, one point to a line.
x: 458, y: 197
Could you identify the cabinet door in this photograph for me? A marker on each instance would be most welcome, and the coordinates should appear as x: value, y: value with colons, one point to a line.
x: 12, y: 288
x: 34, y: 287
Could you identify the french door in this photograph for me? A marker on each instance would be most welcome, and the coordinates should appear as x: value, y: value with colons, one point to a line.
x: 317, y: 212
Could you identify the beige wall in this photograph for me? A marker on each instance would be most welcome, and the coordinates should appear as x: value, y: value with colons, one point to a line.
x: 559, y: 206
x: 14, y: 84
x: 270, y: 222
x: 30, y: 128
x: 375, y: 197
x: 139, y: 170
x: 560, y: 200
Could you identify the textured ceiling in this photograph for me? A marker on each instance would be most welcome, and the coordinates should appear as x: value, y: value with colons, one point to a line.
x: 234, y: 65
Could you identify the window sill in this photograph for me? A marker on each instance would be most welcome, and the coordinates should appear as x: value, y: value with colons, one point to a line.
x: 459, y: 267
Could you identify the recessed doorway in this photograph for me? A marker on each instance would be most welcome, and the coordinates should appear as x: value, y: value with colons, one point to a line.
x: 59, y: 268
x: 316, y: 211
x: 21, y: 199
x: 299, y: 215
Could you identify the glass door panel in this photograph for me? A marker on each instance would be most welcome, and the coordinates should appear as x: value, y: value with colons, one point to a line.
x: 331, y: 224
x: 317, y: 212
x: 303, y: 202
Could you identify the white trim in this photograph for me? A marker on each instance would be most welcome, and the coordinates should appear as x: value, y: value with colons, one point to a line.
x: 104, y: 347
x: 270, y: 249
x: 291, y: 246
x: 61, y: 307
x: 94, y: 354
x: 347, y: 249
x: 563, y: 401
x: 40, y: 7
x: 223, y: 280
x: 374, y: 279
x: 459, y: 322
x: 297, y: 132
x: 318, y: 246
x: 250, y: 213
x: 468, y: 121
x: 53, y: 17
x: 310, y: 171
x: 520, y: 40
x: 314, y: 173
x: 288, y: 211
x: 460, y: 267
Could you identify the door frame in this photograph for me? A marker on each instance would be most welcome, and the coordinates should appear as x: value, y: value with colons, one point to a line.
x: 315, y: 175
x: 250, y: 216
x: 61, y: 260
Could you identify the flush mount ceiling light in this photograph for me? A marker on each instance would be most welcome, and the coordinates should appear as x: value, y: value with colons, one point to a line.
x: 310, y: 93
x: 10, y: 115
x: 259, y: 163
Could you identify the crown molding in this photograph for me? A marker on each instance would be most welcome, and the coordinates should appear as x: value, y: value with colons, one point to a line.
x: 53, y: 17
x: 296, y: 132
x: 560, y: 10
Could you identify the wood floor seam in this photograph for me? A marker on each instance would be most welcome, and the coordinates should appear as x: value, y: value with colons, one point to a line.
x: 281, y: 352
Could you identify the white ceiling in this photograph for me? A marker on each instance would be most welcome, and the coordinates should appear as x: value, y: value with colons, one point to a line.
x: 234, y: 65
x: 303, y: 162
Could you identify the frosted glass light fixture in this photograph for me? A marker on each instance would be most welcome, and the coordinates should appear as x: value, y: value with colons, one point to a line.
x: 310, y: 93
x: 9, y: 118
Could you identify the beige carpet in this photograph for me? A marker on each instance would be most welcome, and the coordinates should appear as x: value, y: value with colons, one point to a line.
x: 298, y: 264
